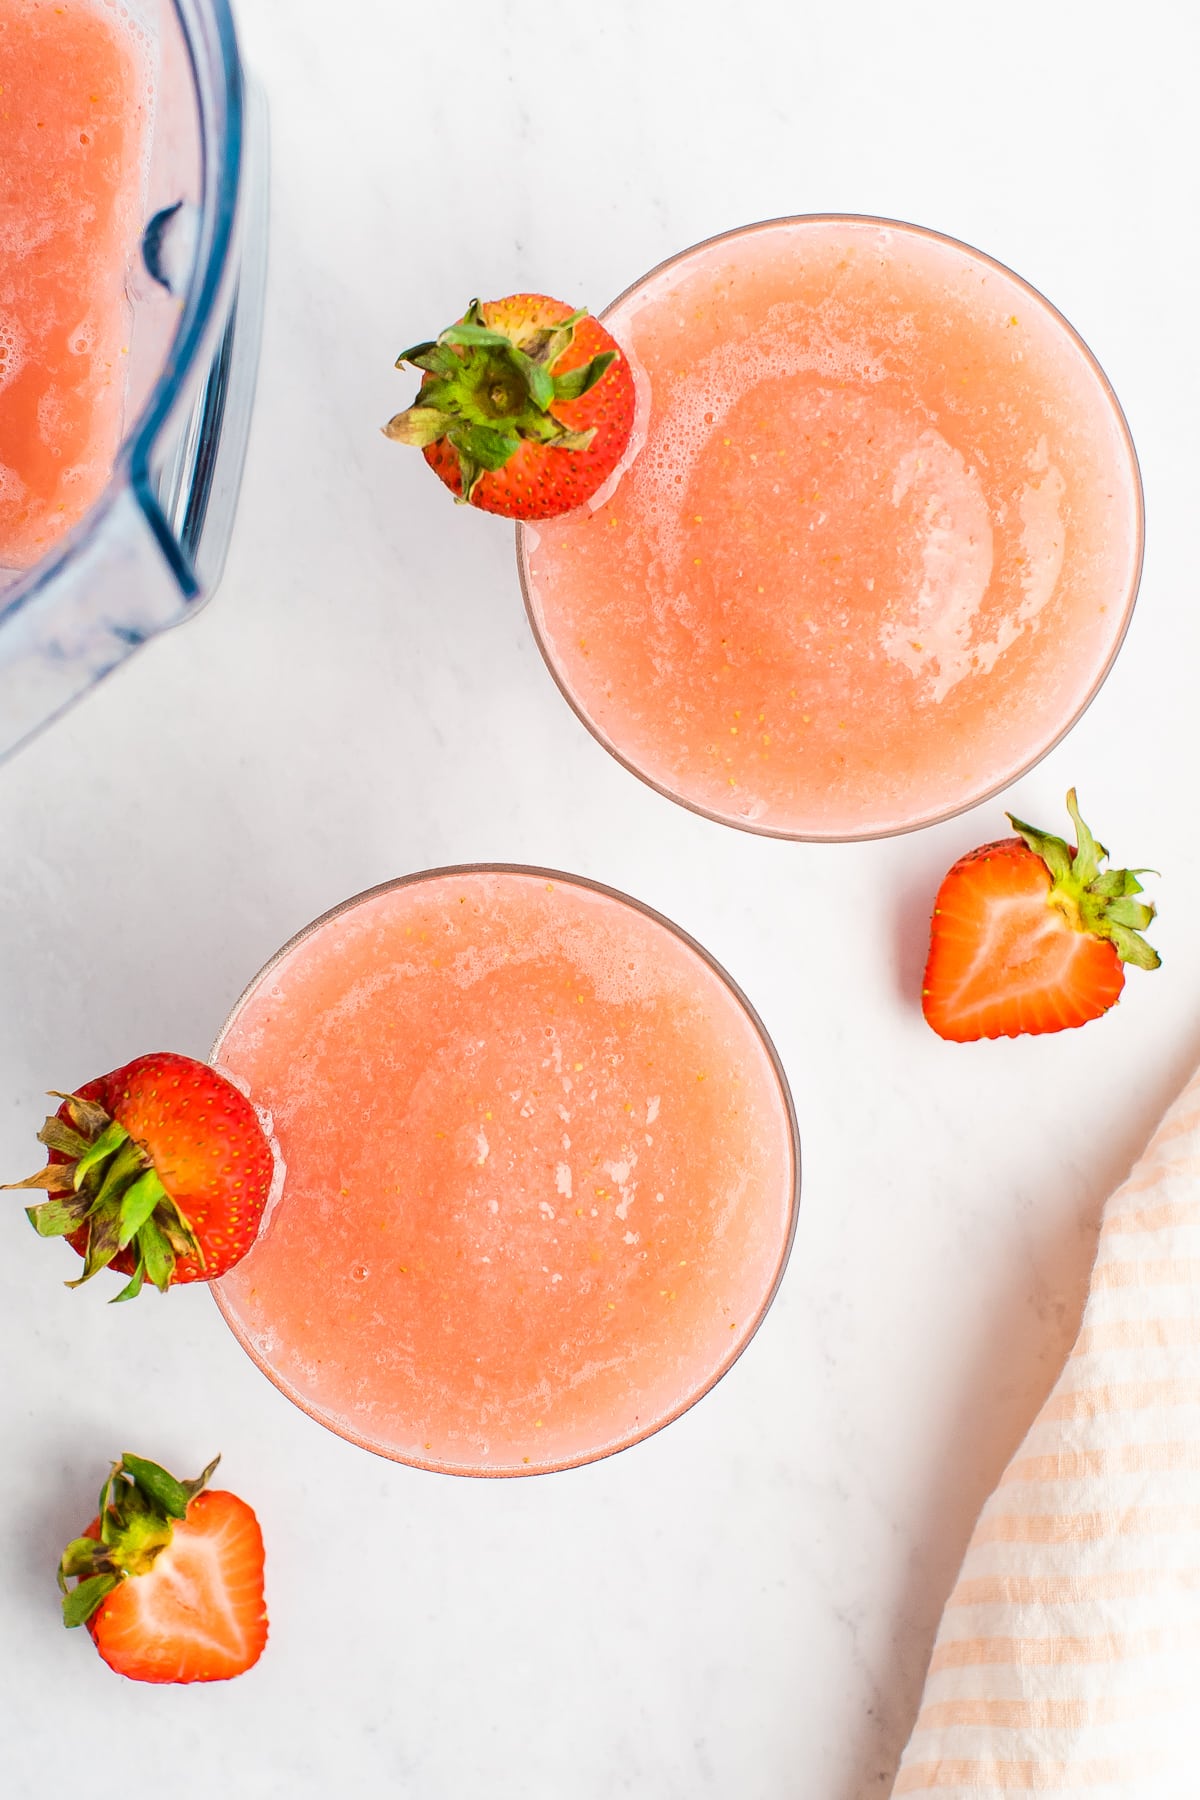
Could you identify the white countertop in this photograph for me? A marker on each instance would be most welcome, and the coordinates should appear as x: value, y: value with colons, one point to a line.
x: 743, y: 1605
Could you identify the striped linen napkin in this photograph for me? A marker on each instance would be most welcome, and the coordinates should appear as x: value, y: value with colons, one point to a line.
x: 1068, y: 1657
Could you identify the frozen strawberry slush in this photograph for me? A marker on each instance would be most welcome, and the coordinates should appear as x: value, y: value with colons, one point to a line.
x: 876, y: 548
x: 540, y: 1172
x: 75, y: 99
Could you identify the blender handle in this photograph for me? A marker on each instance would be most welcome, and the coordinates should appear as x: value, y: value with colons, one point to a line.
x: 89, y: 610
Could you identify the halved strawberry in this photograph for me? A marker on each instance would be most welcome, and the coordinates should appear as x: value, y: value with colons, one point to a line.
x: 168, y: 1577
x: 160, y: 1170
x: 1030, y: 936
x: 525, y: 406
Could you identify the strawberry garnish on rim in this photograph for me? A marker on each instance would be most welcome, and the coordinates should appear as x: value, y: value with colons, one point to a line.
x: 168, y: 1577
x: 1030, y: 935
x: 525, y: 406
x: 160, y: 1170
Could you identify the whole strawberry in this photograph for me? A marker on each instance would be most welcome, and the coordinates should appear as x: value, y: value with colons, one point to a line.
x: 168, y: 1577
x: 525, y: 408
x: 1030, y: 935
x: 159, y: 1170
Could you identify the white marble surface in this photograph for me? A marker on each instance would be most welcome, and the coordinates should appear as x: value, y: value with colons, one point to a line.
x: 743, y: 1605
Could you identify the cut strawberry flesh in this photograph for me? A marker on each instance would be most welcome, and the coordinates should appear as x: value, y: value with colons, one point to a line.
x: 1004, y: 961
x: 198, y: 1614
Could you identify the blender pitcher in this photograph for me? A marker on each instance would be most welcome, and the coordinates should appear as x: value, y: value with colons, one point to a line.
x: 151, y: 548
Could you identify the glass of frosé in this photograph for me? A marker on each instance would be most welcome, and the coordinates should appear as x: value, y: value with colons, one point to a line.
x: 874, y: 545
x: 541, y: 1171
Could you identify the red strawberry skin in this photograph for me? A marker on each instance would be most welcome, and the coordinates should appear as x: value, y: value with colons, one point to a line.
x: 539, y: 482
x: 198, y: 1614
x: 1003, y: 961
x: 207, y: 1145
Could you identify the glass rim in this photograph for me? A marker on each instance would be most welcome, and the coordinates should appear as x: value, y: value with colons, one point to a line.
x: 941, y: 816
x: 783, y: 1088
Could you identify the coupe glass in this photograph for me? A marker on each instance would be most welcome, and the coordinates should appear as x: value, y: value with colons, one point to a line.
x: 863, y: 422
x: 377, y: 1316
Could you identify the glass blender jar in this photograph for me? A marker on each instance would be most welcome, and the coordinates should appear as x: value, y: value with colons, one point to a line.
x: 152, y: 547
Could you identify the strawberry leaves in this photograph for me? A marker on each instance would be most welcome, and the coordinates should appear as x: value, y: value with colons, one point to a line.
x: 486, y: 392
x: 1099, y: 901
x: 174, y: 1497
x: 104, y: 1185
x: 578, y: 382
x: 136, y: 1205
x: 160, y: 1169
x: 83, y: 1599
x: 138, y: 1504
x: 56, y: 1134
x: 58, y: 1217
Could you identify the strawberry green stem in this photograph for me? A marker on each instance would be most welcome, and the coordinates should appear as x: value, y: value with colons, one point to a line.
x: 106, y: 1186
x: 1092, y: 899
x: 486, y: 393
x: 139, y: 1504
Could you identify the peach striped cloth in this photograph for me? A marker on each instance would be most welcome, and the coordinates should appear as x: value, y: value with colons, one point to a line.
x: 1068, y: 1657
